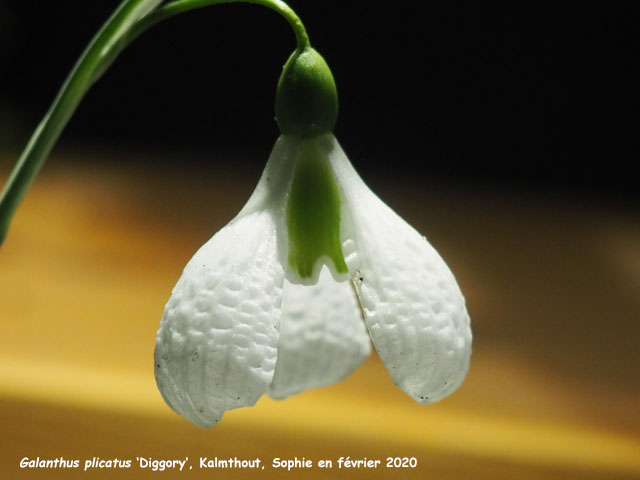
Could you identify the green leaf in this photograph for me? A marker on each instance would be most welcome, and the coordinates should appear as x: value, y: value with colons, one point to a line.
x: 130, y: 20
x: 100, y: 52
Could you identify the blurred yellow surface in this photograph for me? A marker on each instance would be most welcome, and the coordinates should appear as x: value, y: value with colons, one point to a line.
x: 552, y: 287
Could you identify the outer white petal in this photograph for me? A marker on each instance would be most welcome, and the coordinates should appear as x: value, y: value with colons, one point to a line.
x: 216, y: 346
x: 413, y: 307
x: 322, y: 336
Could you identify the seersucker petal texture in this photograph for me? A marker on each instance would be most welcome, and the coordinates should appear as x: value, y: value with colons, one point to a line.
x: 235, y: 327
x: 322, y: 336
x: 412, y: 305
x: 217, y: 343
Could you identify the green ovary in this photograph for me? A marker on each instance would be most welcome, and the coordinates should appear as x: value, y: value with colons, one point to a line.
x: 313, y: 213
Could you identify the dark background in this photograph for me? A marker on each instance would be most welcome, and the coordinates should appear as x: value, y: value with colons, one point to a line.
x: 527, y: 97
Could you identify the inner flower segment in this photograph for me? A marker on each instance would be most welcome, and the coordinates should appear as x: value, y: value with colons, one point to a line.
x: 313, y: 214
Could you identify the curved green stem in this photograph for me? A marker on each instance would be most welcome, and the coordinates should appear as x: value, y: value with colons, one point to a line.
x: 180, y: 6
x: 131, y: 18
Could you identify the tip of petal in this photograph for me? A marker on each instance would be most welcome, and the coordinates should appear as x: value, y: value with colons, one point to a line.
x: 293, y: 277
x: 432, y: 391
x: 425, y: 397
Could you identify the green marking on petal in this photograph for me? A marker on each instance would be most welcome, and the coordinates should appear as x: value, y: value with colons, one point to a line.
x: 313, y: 212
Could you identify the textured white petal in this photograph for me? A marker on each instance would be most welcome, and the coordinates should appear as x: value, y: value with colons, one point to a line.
x: 216, y: 346
x: 413, y: 307
x: 322, y: 336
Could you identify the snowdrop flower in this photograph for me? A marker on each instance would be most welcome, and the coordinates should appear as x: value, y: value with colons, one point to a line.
x: 291, y: 293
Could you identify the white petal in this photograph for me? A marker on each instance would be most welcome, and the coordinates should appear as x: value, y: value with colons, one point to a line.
x: 322, y: 336
x: 413, y: 307
x: 216, y: 346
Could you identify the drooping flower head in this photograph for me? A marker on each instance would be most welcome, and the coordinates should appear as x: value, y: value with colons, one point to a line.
x: 291, y: 293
